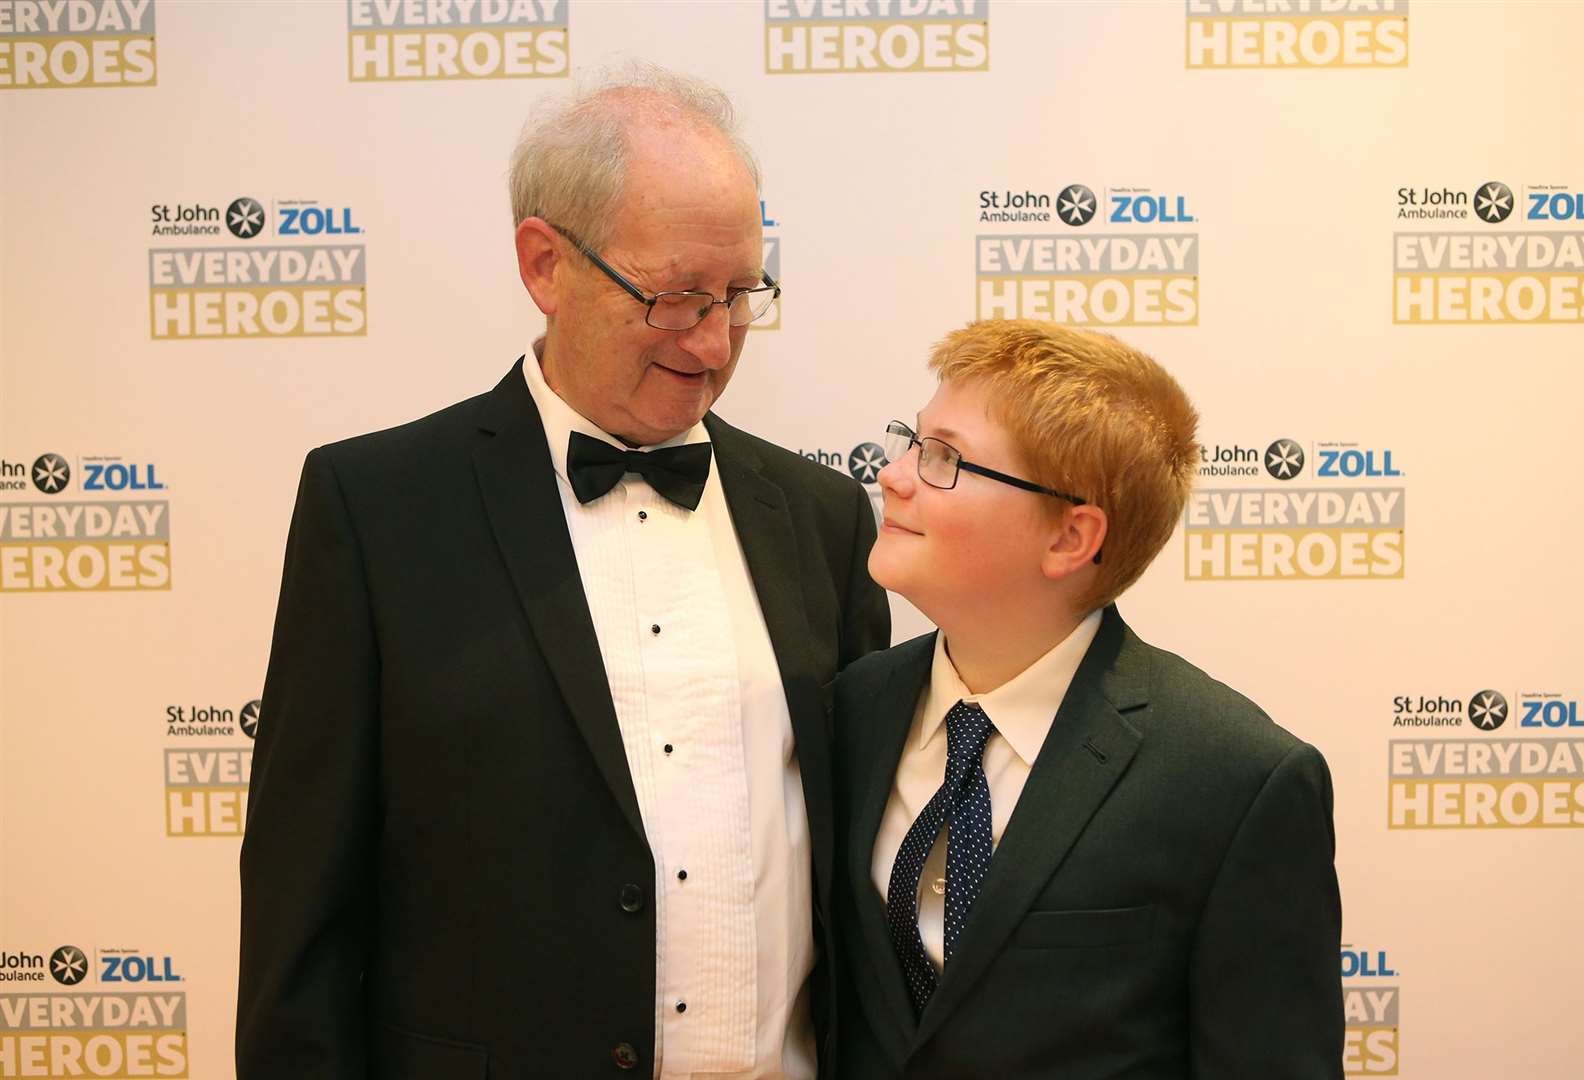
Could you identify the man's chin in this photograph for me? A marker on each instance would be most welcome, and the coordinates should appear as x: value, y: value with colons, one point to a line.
x: 668, y: 423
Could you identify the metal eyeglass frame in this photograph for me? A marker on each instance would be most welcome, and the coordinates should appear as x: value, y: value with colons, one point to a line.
x: 770, y: 285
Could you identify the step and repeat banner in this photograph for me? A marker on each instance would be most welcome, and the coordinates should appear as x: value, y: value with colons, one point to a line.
x: 1354, y: 230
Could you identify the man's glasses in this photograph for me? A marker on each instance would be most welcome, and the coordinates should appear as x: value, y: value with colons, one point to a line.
x: 685, y: 310
x: 939, y: 463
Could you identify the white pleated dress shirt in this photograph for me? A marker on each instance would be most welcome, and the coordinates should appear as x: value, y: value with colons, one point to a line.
x: 1022, y: 711
x: 708, y: 736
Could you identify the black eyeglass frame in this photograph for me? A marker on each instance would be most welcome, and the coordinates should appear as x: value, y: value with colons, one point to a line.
x: 897, y: 427
x: 649, y: 302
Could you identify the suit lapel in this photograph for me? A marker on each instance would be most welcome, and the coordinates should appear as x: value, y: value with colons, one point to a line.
x: 1088, y: 749
x: 518, y: 484
x: 764, y: 528
x: 885, y: 720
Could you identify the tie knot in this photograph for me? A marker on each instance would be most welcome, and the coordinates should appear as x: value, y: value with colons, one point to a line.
x: 968, y: 728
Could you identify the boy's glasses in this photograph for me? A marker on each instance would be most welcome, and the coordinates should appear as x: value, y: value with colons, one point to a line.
x: 939, y: 463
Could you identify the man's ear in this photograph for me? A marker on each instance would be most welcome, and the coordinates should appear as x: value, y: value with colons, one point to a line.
x: 1075, y: 541
x: 538, y: 263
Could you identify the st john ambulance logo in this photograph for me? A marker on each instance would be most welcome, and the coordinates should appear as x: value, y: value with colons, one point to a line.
x: 1493, y: 202
x: 50, y: 473
x: 1076, y: 204
x: 1284, y: 459
x: 309, y: 283
x: 865, y: 462
x: 245, y: 217
x: 68, y: 965
x: 1488, y: 710
x: 249, y: 719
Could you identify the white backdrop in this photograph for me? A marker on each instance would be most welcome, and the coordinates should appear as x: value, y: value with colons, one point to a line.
x: 1343, y: 293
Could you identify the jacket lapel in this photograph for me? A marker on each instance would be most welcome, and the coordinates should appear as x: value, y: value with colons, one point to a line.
x: 518, y: 484
x: 1088, y: 749
x: 764, y: 528
x: 885, y: 720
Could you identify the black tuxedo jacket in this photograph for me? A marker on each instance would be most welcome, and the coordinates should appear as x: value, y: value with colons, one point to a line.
x: 444, y: 873
x: 1162, y: 904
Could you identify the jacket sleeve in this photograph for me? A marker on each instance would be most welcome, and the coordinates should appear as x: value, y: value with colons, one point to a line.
x: 866, y: 614
x: 312, y: 815
x: 1265, y: 992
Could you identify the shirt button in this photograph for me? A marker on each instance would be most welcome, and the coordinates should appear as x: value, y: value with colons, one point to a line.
x: 681, y: 1006
x: 669, y: 748
x: 631, y: 898
x: 625, y: 1056
x: 654, y: 628
x: 643, y: 515
x: 681, y: 875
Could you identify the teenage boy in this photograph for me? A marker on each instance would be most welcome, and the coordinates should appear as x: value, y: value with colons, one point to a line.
x: 1067, y: 853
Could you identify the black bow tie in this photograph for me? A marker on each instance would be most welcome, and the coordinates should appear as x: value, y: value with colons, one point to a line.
x: 676, y: 472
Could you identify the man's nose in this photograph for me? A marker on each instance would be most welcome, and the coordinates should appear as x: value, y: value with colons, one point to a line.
x: 710, y: 341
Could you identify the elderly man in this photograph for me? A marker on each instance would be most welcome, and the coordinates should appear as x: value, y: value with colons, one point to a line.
x: 543, y: 784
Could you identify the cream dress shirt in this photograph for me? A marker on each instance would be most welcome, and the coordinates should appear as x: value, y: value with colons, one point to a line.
x: 708, y: 736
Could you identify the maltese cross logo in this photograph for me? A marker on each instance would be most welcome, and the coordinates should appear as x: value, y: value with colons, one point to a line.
x: 1488, y: 710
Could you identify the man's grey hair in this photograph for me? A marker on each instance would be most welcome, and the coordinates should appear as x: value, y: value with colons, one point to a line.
x: 570, y: 163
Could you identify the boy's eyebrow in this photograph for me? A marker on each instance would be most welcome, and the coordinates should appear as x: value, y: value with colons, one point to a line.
x: 940, y: 433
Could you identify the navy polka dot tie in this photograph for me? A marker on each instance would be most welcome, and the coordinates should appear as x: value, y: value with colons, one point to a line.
x: 962, y: 805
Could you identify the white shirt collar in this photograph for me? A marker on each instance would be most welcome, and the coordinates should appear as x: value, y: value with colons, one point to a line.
x: 1022, y: 709
x: 561, y: 419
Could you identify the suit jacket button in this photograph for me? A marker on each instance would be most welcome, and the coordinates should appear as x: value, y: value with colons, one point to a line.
x: 625, y: 1056
x: 631, y: 902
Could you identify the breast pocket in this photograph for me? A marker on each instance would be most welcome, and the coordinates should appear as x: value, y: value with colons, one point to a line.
x: 1084, y: 929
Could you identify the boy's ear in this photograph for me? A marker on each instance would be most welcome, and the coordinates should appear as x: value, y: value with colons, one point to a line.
x: 1075, y: 541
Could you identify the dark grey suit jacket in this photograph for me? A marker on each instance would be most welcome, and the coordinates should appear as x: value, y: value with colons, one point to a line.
x: 445, y: 873
x: 1162, y: 905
